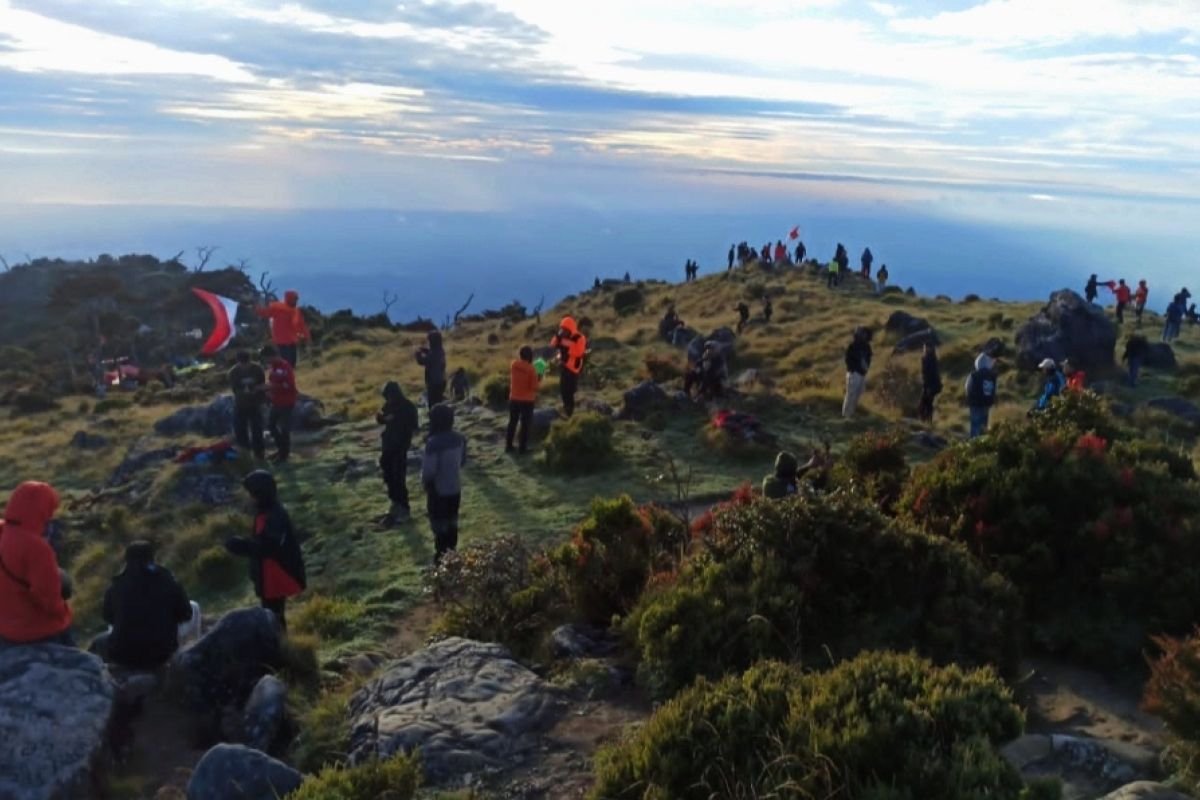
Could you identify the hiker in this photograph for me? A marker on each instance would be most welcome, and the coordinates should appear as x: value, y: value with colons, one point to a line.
x: 708, y: 374
x: 858, y: 361
x: 522, y: 394
x: 781, y: 252
x: 882, y: 277
x: 572, y: 348
x: 249, y: 386
x: 843, y: 260
x: 981, y: 393
x: 441, y: 474
x: 931, y: 382
x: 730, y: 267
x: 1174, y: 319
x: 801, y: 251
x: 33, y: 589
x: 766, y: 253
x: 1139, y: 301
x: 596, y: 283
x: 1075, y: 378
x: 866, y: 260
x: 1053, y: 387
x: 1122, y: 294
x: 785, y: 480
x: 743, y: 312
x: 768, y: 309
x: 460, y: 387
x: 281, y: 388
x: 287, y: 324
x: 433, y: 358
x: 145, y: 606
x: 671, y: 326
x: 1136, y: 350
x: 831, y: 275
x: 627, y: 278
x: 276, y: 563
x: 400, y: 423
x: 1091, y: 290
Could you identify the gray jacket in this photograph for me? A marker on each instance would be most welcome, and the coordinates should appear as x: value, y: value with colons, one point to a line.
x: 441, y: 467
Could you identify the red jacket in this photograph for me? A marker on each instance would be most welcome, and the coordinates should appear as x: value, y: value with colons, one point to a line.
x: 287, y: 321
x: 1122, y: 293
x: 31, y: 602
x: 1142, y: 293
x: 281, y: 384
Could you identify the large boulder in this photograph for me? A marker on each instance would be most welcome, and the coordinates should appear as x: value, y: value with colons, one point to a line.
x: 265, y: 720
x: 543, y: 418
x: 234, y: 772
x: 902, y: 324
x: 222, y: 668
x: 1145, y: 790
x: 1160, y: 356
x: 725, y: 339
x: 1067, y: 327
x: 56, y: 704
x: 643, y: 400
x: 216, y: 418
x: 915, y: 341
x: 468, y: 706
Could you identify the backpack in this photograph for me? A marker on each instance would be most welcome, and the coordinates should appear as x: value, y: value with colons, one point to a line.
x: 981, y: 389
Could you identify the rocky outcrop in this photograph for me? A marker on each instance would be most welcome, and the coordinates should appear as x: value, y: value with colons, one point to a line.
x: 1067, y: 327
x: 468, y: 706
x: 725, y: 339
x: 83, y: 440
x: 222, y: 668
x: 915, y: 341
x: 1160, y: 356
x: 643, y: 400
x: 265, y: 721
x: 581, y: 641
x: 543, y: 418
x: 56, y: 704
x: 216, y: 418
x: 234, y: 772
x: 902, y: 324
x: 1145, y: 790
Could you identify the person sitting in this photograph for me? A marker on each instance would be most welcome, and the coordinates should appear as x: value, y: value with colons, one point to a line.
x: 145, y: 606
x: 785, y: 480
x: 33, y: 590
x: 670, y: 325
x: 460, y: 387
x: 708, y: 375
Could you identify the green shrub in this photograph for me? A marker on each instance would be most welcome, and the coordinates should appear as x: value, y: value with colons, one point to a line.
x: 811, y: 575
x: 728, y: 444
x: 300, y: 666
x: 897, y: 387
x: 394, y: 778
x: 1102, y: 540
x: 494, y: 391
x: 327, y: 617
x: 33, y: 401
x: 216, y: 569
x: 875, y: 465
x: 881, y: 726
x: 324, y: 729
x: 1173, y: 693
x: 112, y: 403
x: 582, y: 443
x: 628, y: 301
x: 613, y: 553
x: 1075, y: 413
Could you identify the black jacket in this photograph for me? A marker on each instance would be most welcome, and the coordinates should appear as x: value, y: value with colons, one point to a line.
x: 433, y: 359
x: 399, y: 418
x: 144, y: 605
x: 273, y: 538
x: 249, y: 385
x: 931, y: 373
x: 858, y: 357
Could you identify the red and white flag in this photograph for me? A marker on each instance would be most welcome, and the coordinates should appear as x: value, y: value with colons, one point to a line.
x: 795, y: 233
x: 224, y: 312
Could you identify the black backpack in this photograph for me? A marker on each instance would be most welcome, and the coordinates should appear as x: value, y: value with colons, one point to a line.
x: 981, y: 389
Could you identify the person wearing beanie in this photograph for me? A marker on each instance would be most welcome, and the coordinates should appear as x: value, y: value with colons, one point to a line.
x: 145, y: 606
x: 399, y: 420
x: 441, y: 475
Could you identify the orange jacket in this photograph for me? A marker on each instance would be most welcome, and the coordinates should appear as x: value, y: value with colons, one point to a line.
x: 1142, y: 293
x: 287, y: 320
x: 572, y: 347
x: 31, y: 603
x: 522, y: 382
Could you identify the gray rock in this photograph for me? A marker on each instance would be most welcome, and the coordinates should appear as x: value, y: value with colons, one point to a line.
x: 199, y: 483
x: 903, y: 324
x: 597, y: 406
x: 543, y: 418
x: 216, y: 418
x: 56, y: 705
x: 1093, y: 757
x: 752, y: 379
x: 222, y: 668
x: 580, y: 641
x: 1177, y: 406
x: 1160, y: 356
x: 643, y: 400
x: 1067, y: 327
x: 134, y: 463
x: 83, y: 440
x: 1024, y: 751
x: 234, y: 772
x: 1145, y: 790
x: 468, y: 706
x: 265, y: 721
x: 915, y: 341
x: 726, y: 341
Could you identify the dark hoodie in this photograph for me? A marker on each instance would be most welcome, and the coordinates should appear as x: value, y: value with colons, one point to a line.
x: 145, y: 605
x: 398, y: 417
x: 276, y: 563
x: 445, y: 454
x: 433, y: 358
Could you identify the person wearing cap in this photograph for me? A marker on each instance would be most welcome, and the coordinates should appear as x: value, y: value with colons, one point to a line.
x: 33, y: 590
x: 858, y: 361
x: 571, y: 345
x: 145, y: 606
x: 1055, y: 382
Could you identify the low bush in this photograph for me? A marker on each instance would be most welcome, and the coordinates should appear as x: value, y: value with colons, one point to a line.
x: 661, y: 368
x: 324, y: 729
x: 874, y: 464
x: 494, y: 391
x: 733, y: 445
x: 628, y: 301
x: 216, y: 569
x: 883, y: 726
x: 581, y: 443
x: 816, y: 575
x: 112, y: 403
x: 300, y: 665
x: 33, y: 401
x: 328, y: 617
x: 1101, y: 539
x: 897, y: 387
x: 1173, y: 693
x: 394, y: 778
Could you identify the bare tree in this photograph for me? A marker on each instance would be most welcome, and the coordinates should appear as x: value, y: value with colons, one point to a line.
x: 388, y: 302
x: 537, y: 310
x: 4, y: 261
x: 266, y: 286
x: 203, y: 255
x: 463, y: 307
x: 243, y: 266
x: 175, y: 259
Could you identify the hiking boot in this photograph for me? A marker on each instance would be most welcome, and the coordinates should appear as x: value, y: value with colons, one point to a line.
x: 399, y: 513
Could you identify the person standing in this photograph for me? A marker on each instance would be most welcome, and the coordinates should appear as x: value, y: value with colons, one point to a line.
x: 249, y: 386
x: 441, y: 474
x: 572, y: 349
x: 800, y: 253
x: 1174, y: 319
x: 1122, y: 294
x: 831, y: 274
x: 145, y: 606
x: 433, y: 358
x: 281, y: 388
x: 743, y: 312
x: 866, y: 260
x: 731, y: 253
x: 882, y: 276
x: 1092, y: 289
x: 460, y: 386
x: 781, y: 253
x: 276, y: 563
x: 858, y: 361
x: 1139, y: 301
x: 287, y: 324
x: 1136, y: 350
x: 399, y: 420
x: 981, y: 393
x: 33, y: 593
x: 768, y: 309
x: 931, y: 382
x: 522, y: 394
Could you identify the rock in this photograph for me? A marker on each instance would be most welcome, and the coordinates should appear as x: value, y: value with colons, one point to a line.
x: 223, y: 667
x: 468, y: 706
x: 915, y: 341
x: 597, y: 406
x: 543, y: 418
x: 726, y: 341
x: 1145, y: 790
x: 1160, y: 356
x: 265, y: 719
x: 216, y: 418
x: 1177, y: 406
x: 753, y: 379
x: 133, y: 464
x: 642, y: 400
x: 1067, y: 327
x: 930, y: 440
x: 1093, y: 757
x: 198, y: 483
x: 580, y: 641
x: 234, y: 772
x: 56, y: 705
x: 1027, y: 750
x: 903, y: 324
x: 83, y: 440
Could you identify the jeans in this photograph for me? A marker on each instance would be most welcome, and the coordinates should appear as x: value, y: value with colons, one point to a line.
x: 279, y: 421
x: 288, y: 353
x: 979, y: 421
x: 855, y: 385
x: 569, y: 384
x: 248, y: 428
x: 522, y: 412
x: 394, y: 463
